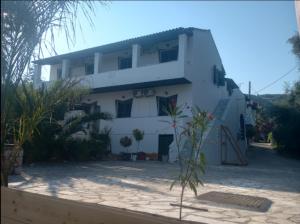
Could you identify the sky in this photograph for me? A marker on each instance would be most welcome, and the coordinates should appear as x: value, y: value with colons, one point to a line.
x: 251, y: 36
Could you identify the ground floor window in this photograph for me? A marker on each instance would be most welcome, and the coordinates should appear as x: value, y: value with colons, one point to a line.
x: 165, y: 103
x: 123, y: 108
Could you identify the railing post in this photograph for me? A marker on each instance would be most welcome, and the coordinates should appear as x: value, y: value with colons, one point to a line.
x: 37, y: 76
x: 136, y: 51
x: 65, y: 68
x: 97, y: 62
x: 182, y: 46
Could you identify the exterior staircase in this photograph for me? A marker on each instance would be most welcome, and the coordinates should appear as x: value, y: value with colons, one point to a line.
x: 227, y: 136
x: 220, y: 108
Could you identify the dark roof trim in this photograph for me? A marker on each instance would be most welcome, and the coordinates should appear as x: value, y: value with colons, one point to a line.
x: 166, y: 82
x: 121, y: 45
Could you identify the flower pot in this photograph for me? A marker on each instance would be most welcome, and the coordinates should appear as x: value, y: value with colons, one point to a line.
x: 16, y: 168
x: 133, y: 156
x: 125, y: 156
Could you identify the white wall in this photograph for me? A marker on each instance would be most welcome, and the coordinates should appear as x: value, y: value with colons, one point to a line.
x: 202, y: 55
x: 144, y: 115
x: 231, y: 119
x: 53, y: 71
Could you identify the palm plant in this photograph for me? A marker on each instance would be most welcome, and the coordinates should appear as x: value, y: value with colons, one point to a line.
x: 24, y: 26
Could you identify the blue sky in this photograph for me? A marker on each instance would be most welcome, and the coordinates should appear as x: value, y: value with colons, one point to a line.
x: 251, y: 36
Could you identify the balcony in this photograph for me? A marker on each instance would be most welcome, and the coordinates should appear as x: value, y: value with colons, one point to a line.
x: 145, y: 71
x: 136, y: 76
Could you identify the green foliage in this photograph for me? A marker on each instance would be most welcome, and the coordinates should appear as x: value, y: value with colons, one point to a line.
x: 295, y: 41
x: 82, y: 150
x: 48, y: 139
x: 24, y: 26
x: 126, y: 141
x: 270, y: 138
x: 287, y: 129
x: 138, y: 136
x: 189, y: 139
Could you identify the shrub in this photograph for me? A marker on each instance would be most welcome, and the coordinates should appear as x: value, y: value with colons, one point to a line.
x: 82, y: 150
x: 126, y: 142
x: 138, y: 136
x: 287, y: 129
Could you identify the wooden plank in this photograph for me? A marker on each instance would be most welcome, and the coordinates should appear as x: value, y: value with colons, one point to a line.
x: 29, y: 208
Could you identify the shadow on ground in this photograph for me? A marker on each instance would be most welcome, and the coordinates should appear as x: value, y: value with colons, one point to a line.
x: 266, y: 170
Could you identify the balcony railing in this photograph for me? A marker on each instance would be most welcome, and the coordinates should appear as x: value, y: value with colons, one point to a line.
x: 150, y: 73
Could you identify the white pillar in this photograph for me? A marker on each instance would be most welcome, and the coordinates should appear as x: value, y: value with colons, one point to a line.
x: 65, y: 71
x: 97, y: 62
x: 37, y: 75
x: 182, y: 45
x: 136, y: 50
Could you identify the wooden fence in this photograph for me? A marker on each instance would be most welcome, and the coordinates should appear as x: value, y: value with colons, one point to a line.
x: 28, y: 208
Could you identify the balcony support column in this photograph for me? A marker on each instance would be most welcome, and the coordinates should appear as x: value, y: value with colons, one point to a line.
x: 37, y: 75
x: 65, y: 70
x: 136, y: 52
x: 97, y: 62
x: 182, y: 48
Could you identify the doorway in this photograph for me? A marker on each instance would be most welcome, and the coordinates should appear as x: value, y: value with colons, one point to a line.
x: 163, y: 146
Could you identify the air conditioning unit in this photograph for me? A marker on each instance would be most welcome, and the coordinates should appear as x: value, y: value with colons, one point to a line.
x: 137, y: 93
x: 149, y: 92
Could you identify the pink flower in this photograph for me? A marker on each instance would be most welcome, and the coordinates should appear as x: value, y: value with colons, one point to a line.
x: 174, y: 125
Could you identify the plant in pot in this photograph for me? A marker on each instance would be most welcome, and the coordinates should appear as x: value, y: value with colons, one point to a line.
x: 138, y: 136
x: 126, y: 142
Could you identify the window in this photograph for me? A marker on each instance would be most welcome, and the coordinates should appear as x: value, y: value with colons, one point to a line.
x: 59, y: 73
x: 125, y: 63
x: 219, y: 76
x: 164, y: 104
x: 123, y: 108
x: 168, y: 55
x: 89, y: 69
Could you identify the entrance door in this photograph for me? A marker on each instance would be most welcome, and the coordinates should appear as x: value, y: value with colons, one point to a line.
x: 163, y: 145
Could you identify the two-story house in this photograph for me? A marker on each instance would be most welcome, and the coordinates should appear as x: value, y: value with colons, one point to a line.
x: 136, y: 78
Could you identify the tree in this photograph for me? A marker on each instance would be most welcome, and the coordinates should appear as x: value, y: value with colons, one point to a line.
x: 295, y: 42
x: 286, y: 114
x: 138, y: 136
x: 188, y: 141
x: 24, y: 25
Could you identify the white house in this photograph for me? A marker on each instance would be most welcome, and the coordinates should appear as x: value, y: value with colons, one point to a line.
x: 135, y: 78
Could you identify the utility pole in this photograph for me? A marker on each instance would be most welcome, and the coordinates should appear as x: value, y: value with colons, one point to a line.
x: 249, y: 92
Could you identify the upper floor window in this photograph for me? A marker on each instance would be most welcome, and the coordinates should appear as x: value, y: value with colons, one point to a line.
x: 164, y: 104
x: 89, y: 69
x: 219, y: 76
x: 59, y: 73
x: 168, y: 55
x: 125, y: 63
x: 123, y: 108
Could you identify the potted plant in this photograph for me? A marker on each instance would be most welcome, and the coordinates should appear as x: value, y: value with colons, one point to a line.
x: 126, y: 142
x: 138, y: 136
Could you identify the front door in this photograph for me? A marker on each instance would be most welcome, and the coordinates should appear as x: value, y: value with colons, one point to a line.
x: 163, y: 145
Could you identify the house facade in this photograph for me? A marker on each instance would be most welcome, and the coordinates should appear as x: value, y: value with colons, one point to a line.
x: 136, y: 79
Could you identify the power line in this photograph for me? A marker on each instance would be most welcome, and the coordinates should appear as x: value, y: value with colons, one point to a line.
x: 272, y: 83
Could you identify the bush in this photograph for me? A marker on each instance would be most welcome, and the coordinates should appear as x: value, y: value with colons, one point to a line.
x: 126, y: 142
x: 82, y: 150
x: 287, y: 129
